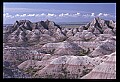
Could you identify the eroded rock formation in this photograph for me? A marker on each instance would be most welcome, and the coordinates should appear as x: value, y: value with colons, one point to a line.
x: 44, y: 49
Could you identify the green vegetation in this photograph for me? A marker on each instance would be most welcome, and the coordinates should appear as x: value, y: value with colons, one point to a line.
x: 31, y: 70
x: 84, y: 52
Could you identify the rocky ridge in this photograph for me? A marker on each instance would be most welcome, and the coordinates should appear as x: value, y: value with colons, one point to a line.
x: 46, y: 50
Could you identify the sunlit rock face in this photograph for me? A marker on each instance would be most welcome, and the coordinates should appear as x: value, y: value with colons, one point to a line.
x: 103, y: 37
x: 71, y: 67
x: 44, y: 49
x: 62, y: 48
x: 84, y: 36
x: 59, y: 35
x: 67, y: 48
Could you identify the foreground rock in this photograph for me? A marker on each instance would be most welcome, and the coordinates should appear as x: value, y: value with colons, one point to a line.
x: 14, y: 72
x: 68, y: 67
x: 106, y: 70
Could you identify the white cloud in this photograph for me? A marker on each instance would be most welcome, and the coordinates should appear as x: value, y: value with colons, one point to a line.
x: 31, y: 15
x: 78, y: 14
x: 86, y: 15
x: 51, y: 15
x: 37, y: 15
x: 43, y: 14
x: 100, y: 14
x: 23, y: 15
x: 74, y: 15
x: 64, y: 15
x: 7, y: 15
x: 61, y: 15
x: 92, y: 14
x: 67, y: 14
x: 17, y: 15
x: 4, y: 15
x: 106, y: 15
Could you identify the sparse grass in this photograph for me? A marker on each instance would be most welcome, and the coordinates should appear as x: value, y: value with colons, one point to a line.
x: 31, y: 71
x: 84, y: 52
x: 70, y: 26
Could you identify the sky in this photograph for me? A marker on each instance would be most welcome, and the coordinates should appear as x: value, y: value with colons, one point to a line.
x: 58, y: 12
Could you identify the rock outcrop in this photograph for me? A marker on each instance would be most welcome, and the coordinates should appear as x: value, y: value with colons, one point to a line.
x: 24, y: 32
x: 82, y: 36
x: 62, y: 48
x: 98, y: 26
x: 106, y: 70
x: 14, y: 72
x: 70, y: 67
x: 44, y: 49
x: 108, y: 47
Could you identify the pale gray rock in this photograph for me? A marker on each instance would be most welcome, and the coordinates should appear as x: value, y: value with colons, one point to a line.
x: 45, y: 38
x: 75, y: 30
x: 108, y: 31
x: 80, y: 29
x: 103, y: 37
x: 106, y: 70
x: 70, y: 67
x: 67, y: 48
x: 82, y: 36
x: 58, y: 35
x: 69, y: 33
x: 104, y: 49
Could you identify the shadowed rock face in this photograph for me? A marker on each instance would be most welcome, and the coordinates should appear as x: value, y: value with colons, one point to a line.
x: 98, y: 25
x: 25, y: 32
x: 46, y: 50
x: 108, y: 47
x: 16, y: 54
x: 13, y: 72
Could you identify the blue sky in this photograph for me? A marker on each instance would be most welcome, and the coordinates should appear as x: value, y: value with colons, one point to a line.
x: 58, y: 12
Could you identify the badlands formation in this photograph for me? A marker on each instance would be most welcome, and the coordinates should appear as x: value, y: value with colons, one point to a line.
x: 46, y: 50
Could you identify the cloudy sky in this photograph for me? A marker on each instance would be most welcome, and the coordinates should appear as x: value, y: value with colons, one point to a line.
x: 58, y: 12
